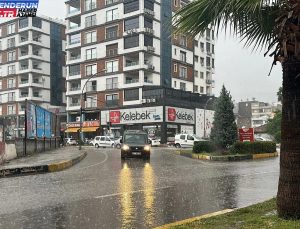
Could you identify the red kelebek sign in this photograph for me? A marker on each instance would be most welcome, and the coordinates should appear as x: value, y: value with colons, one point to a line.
x: 246, y: 135
x: 115, y: 117
x: 171, y: 114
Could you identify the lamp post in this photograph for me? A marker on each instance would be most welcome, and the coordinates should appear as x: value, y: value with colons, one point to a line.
x: 204, y: 134
x: 81, y: 98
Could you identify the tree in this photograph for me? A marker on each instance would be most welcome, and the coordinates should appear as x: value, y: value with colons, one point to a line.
x: 272, y: 25
x: 274, y: 126
x: 279, y: 94
x: 224, y: 131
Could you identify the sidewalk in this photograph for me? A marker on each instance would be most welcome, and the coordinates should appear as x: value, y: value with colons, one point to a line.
x: 51, y: 161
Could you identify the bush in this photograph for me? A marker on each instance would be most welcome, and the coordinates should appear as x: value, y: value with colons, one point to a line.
x: 204, y: 146
x: 253, y: 147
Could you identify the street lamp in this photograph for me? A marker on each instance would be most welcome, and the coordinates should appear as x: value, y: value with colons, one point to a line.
x: 204, y: 134
x: 81, y: 98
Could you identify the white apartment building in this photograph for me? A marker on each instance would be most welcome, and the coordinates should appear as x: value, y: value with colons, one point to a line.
x: 32, y: 67
x: 127, y: 46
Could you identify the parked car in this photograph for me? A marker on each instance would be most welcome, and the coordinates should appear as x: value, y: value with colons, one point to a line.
x: 261, y: 139
x: 154, y: 141
x: 71, y: 142
x: 103, y: 141
x: 186, y: 140
x: 135, y: 143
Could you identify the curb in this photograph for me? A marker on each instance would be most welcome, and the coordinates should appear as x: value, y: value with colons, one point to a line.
x: 166, y: 226
x: 227, y: 158
x: 48, y: 168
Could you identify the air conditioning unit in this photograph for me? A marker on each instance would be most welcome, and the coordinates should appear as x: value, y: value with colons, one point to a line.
x: 153, y: 100
x: 149, y: 30
x: 78, y: 119
x: 151, y: 67
x: 144, y: 100
x: 150, y: 49
x: 149, y: 12
x: 149, y: 100
x: 131, y: 31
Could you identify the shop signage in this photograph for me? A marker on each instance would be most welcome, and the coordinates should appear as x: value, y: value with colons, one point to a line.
x: 246, y: 135
x: 84, y: 124
x: 180, y: 115
x: 134, y: 115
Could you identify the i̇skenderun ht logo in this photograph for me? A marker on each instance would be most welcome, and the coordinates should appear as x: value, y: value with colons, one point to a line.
x: 18, y: 8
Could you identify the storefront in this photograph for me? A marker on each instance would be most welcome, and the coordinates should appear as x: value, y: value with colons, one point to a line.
x: 90, y: 129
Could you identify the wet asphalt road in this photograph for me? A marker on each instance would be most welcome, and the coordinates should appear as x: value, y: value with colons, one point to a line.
x: 102, y: 192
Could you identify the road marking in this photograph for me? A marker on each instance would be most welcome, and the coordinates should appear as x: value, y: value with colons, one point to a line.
x: 137, y: 191
x: 90, y: 166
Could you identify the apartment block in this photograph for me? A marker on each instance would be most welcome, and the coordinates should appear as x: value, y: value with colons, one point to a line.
x: 32, y: 67
x: 118, y: 51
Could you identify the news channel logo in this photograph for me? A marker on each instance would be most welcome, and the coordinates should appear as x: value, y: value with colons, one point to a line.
x: 18, y: 8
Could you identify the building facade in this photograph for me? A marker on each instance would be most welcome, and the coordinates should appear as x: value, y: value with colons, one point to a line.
x: 117, y: 50
x: 32, y: 67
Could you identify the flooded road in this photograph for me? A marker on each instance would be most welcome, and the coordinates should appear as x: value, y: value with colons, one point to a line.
x: 103, y: 192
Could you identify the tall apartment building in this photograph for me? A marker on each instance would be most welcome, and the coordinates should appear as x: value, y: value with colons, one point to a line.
x: 32, y: 67
x: 129, y: 46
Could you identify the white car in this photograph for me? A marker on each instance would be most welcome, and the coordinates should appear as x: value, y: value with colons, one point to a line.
x: 103, y: 141
x: 71, y: 142
x: 154, y: 141
x: 186, y: 140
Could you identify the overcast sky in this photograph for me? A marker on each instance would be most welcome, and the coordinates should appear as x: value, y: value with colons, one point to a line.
x: 245, y: 74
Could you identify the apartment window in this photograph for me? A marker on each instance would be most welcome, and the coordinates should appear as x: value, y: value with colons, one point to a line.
x: 201, y: 89
x: 197, y: 59
x: 11, y: 56
x: 149, y: 4
x: 90, y: 5
x: 11, y: 42
x: 175, y: 84
x: 11, y: 69
x: 11, y: 83
x: 196, y: 73
x: 112, y: 83
x: 201, y: 75
x: 132, y: 23
x: 112, y: 66
x: 175, y: 51
x: 90, y: 37
x: 23, y: 23
x: 11, y: 28
x: 11, y: 96
x: 130, y: 6
x: 182, y: 72
x: 36, y: 22
x: 213, y: 34
x: 208, y: 33
x: 112, y: 15
x: 131, y: 94
x: 207, y: 47
x: 75, y: 38
x: 148, y: 23
x: 213, y: 48
x: 130, y: 42
x: 11, y: 109
x: 175, y: 68
x: 111, y: 32
x: 207, y: 75
x: 92, y: 86
x: 196, y: 43
x: 213, y: 63
x: 202, y: 61
x: 74, y: 69
x: 91, y: 54
x: 90, y: 69
x: 111, y: 50
x: 208, y: 61
x: 202, y: 46
x: 182, y: 56
x: 112, y: 97
x: 0, y: 84
x: 176, y: 3
x: 182, y: 86
x: 90, y: 20
x: 196, y: 89
x: 183, y: 40
x: 148, y: 41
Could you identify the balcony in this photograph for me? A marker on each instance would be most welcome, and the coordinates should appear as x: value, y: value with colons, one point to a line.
x: 149, y: 12
x: 23, y: 39
x: 75, y: 73
x: 73, y: 12
x: 91, y: 88
x: 110, y: 2
x: 112, y: 86
x: 24, y: 95
x: 112, y: 103
x: 112, y: 17
x: 111, y: 52
x: 75, y: 41
x: 22, y: 82
x: 74, y: 104
x: 75, y: 88
x: 131, y: 81
x: 37, y: 39
x: 91, y: 104
x: 90, y: 23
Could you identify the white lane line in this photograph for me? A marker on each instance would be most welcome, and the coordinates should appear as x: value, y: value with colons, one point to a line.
x: 90, y: 166
x: 137, y: 191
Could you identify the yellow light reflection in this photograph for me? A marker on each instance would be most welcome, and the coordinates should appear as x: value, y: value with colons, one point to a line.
x: 148, y: 186
x: 126, y: 187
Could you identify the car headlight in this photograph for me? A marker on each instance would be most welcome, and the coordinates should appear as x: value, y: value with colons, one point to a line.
x: 147, y: 148
x: 125, y: 147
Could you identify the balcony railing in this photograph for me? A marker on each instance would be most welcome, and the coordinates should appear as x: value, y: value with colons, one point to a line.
x: 75, y: 89
x: 91, y: 104
x: 24, y: 82
x: 92, y: 88
x: 74, y: 73
x: 37, y: 39
x: 74, y: 26
x: 112, y: 52
x: 133, y: 63
x: 74, y: 104
x: 131, y: 81
x: 110, y: 103
x: 23, y: 95
x: 75, y: 41
x: 73, y: 11
x: 23, y: 39
x: 24, y: 54
x: 75, y: 57
x: 90, y: 23
x: 112, y: 86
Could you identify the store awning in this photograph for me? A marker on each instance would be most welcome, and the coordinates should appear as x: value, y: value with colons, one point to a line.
x: 89, y: 129
x: 72, y: 130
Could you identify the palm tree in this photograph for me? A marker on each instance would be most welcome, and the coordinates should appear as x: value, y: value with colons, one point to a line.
x: 273, y: 25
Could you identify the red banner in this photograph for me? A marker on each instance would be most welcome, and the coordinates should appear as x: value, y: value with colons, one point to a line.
x: 5, y: 12
x: 246, y: 135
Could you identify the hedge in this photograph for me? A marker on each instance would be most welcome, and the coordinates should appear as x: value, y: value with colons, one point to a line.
x: 253, y: 147
x: 204, y: 146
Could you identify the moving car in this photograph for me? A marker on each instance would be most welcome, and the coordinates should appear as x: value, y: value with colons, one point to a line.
x: 186, y: 140
x: 103, y: 141
x: 135, y: 143
x: 71, y: 142
x: 154, y: 141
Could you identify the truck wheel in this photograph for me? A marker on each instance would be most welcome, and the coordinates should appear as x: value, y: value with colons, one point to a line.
x: 177, y: 145
x: 96, y: 146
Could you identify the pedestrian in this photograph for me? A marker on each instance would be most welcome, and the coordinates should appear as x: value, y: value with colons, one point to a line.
x: 62, y: 141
